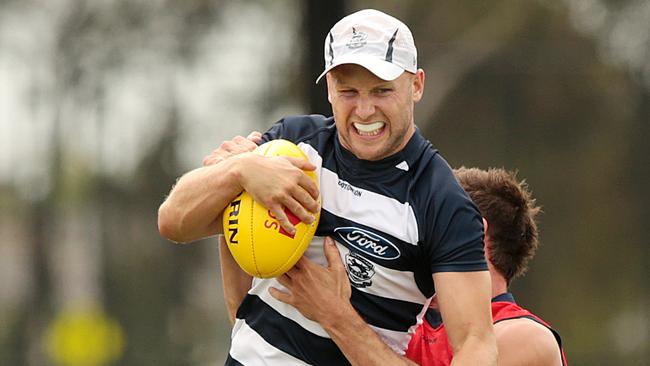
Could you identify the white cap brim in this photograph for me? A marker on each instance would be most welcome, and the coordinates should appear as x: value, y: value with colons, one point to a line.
x: 382, y: 69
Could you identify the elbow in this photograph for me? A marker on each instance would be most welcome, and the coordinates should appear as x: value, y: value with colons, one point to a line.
x: 491, y: 347
x: 169, y: 224
x: 480, y: 345
x: 494, y: 351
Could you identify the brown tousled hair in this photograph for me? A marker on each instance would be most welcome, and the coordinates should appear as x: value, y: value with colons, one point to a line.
x: 510, y: 210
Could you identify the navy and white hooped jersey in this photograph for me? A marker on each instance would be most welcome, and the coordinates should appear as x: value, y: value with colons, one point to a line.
x: 395, y: 222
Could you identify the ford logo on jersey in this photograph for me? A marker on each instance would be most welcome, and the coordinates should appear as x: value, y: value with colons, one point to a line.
x: 368, y: 242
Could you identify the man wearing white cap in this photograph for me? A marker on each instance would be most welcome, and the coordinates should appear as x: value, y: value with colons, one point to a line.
x: 392, y: 214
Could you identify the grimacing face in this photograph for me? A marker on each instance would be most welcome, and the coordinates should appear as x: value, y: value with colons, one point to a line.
x: 374, y: 117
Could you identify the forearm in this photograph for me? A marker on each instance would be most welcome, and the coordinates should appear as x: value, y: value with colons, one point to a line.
x: 236, y: 282
x: 358, y: 342
x: 477, y: 350
x: 194, y: 207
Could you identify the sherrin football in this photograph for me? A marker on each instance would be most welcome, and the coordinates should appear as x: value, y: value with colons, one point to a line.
x: 258, y: 243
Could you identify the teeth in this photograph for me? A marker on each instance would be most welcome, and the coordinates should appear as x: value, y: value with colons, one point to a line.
x: 369, y: 129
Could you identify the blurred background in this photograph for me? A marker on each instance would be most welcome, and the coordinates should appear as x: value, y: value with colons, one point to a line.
x: 104, y: 103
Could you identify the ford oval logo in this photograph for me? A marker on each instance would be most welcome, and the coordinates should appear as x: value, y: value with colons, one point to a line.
x: 368, y: 242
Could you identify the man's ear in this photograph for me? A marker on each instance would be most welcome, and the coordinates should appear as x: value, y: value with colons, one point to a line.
x: 418, y: 85
x: 329, y: 83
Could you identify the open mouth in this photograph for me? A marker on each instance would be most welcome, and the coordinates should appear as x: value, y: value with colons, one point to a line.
x: 371, y: 129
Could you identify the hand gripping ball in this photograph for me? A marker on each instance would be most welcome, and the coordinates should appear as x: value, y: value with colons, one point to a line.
x: 258, y: 243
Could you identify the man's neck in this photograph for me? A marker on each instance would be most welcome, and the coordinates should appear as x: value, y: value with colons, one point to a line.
x: 499, y: 284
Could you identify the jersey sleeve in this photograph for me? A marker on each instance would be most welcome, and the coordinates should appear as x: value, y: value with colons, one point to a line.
x: 273, y: 133
x: 455, y: 238
x: 296, y: 128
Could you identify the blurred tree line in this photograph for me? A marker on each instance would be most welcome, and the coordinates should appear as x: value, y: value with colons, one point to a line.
x: 103, y: 104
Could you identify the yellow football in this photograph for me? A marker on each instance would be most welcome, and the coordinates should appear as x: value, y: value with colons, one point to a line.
x: 258, y: 243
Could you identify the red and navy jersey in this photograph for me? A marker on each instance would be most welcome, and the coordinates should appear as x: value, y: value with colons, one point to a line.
x: 430, y: 345
x: 395, y: 222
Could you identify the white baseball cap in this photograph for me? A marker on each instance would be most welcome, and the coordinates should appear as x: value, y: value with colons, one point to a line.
x: 372, y: 39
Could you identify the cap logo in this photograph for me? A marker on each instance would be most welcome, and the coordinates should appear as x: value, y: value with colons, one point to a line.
x: 358, y: 39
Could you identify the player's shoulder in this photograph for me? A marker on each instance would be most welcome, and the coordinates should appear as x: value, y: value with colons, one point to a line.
x: 431, y: 170
x: 300, y: 128
x: 307, y: 122
x: 523, y: 341
x: 434, y: 187
x: 436, y: 183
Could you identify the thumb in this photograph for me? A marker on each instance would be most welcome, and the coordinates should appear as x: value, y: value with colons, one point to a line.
x: 332, y: 253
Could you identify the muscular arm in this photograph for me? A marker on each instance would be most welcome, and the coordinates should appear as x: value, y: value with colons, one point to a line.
x: 330, y: 306
x: 464, y: 302
x: 524, y: 342
x: 196, y: 192
x: 194, y: 207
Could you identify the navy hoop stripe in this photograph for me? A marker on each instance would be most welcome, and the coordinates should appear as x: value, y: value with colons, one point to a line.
x: 287, y: 335
x: 385, y: 313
